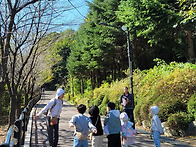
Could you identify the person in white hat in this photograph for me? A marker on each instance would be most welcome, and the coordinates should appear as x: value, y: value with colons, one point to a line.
x: 53, y: 110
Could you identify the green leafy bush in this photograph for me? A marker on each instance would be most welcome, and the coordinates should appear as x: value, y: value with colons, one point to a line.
x: 179, y: 122
x: 170, y: 107
x: 172, y: 87
x: 192, y: 106
x: 103, y: 106
x: 167, y: 85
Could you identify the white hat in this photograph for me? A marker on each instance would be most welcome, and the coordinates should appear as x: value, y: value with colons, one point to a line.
x: 59, y: 92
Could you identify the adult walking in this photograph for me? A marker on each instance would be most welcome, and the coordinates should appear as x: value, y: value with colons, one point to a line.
x: 53, y: 110
x: 127, y: 101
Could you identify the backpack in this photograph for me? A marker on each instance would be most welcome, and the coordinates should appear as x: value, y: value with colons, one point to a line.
x: 45, y: 113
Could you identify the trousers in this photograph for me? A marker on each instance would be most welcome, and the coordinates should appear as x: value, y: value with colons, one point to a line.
x: 114, y: 140
x: 53, y: 132
x: 156, y: 138
x: 97, y: 141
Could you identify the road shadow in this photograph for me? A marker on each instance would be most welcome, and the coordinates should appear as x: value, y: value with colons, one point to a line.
x: 40, y: 135
x: 40, y: 105
x: 65, y: 137
x: 43, y: 105
x: 67, y: 106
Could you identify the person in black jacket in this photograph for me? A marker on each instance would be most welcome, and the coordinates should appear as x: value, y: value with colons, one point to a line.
x: 97, y: 139
x: 127, y: 101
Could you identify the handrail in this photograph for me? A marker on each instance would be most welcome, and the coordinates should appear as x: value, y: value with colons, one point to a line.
x: 9, y: 136
x: 10, y: 141
x: 16, y: 133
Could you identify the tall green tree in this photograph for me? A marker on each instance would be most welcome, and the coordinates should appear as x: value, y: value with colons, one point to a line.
x: 63, y: 47
x: 187, y: 23
x: 152, y: 23
x: 99, y: 52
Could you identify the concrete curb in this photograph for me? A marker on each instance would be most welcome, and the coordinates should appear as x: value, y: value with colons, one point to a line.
x: 164, y: 139
x: 27, y: 142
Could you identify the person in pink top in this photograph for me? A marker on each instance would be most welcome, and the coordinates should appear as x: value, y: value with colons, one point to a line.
x: 127, y: 130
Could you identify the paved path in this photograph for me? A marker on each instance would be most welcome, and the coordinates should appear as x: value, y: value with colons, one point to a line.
x: 39, y: 133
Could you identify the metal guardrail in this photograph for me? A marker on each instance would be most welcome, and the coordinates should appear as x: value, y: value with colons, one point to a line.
x: 16, y: 133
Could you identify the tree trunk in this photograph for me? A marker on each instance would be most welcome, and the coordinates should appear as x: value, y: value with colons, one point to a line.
x: 92, y: 81
x: 72, y: 86
x: 12, y: 114
x: 114, y: 65
x: 191, y: 52
x: 5, y: 50
x: 19, y: 103
x: 25, y: 96
x: 112, y: 72
x: 104, y: 72
x: 82, y: 86
x: 25, y: 99
x: 2, y: 90
x: 32, y: 89
x: 98, y: 78
x: 119, y: 72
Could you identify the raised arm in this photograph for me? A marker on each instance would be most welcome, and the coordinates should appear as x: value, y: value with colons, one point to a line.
x: 106, y: 119
x: 48, y: 106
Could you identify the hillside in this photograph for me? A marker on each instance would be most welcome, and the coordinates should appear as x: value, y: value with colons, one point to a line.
x: 170, y: 86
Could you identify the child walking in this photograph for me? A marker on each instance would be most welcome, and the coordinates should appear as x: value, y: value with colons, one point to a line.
x: 127, y: 130
x: 156, y: 127
x: 97, y: 139
x: 81, y: 124
x: 112, y: 121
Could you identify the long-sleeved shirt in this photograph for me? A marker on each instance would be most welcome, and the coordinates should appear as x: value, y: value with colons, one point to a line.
x: 56, y: 110
x: 156, y: 124
x: 82, y: 123
x: 130, y: 103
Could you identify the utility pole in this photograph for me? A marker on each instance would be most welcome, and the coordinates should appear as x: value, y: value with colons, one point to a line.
x: 126, y: 30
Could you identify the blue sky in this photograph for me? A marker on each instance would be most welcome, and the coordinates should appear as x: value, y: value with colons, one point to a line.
x: 73, y: 17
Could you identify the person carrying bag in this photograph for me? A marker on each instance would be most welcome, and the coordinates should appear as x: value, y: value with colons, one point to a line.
x: 82, y: 124
x: 53, y: 110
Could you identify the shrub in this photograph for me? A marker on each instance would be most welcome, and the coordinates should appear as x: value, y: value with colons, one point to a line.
x: 192, y: 106
x: 172, y: 87
x: 168, y: 86
x: 99, y: 94
x: 180, y: 83
x: 103, y: 106
x: 169, y: 107
x: 179, y: 122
